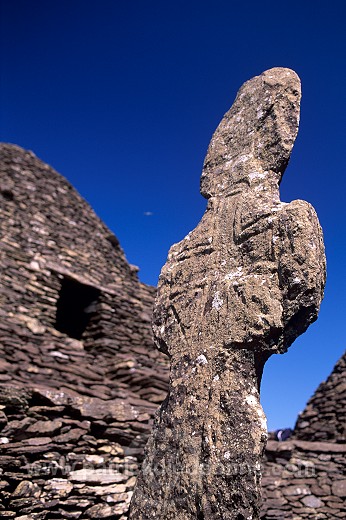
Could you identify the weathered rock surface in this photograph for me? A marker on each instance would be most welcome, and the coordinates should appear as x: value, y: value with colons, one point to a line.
x: 240, y: 287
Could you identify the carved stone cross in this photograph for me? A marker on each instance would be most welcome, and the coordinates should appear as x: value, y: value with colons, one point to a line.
x: 241, y: 286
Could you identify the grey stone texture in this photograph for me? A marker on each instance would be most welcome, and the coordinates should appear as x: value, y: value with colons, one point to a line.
x: 324, y: 418
x: 79, y: 377
x: 240, y: 287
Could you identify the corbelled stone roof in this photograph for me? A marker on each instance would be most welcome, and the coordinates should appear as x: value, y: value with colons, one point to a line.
x: 80, y: 379
x: 324, y: 418
x: 67, y: 290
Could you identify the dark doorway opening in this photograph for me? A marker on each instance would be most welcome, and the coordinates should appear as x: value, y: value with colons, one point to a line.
x: 76, y: 304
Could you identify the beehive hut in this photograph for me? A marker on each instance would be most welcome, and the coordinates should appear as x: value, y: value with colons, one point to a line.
x: 79, y: 376
x: 324, y: 418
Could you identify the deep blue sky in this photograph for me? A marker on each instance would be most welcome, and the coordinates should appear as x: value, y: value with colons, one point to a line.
x: 122, y: 98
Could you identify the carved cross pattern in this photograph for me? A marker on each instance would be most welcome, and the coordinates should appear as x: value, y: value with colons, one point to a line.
x: 241, y: 286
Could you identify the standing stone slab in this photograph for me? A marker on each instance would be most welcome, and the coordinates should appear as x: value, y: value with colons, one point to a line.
x: 241, y: 286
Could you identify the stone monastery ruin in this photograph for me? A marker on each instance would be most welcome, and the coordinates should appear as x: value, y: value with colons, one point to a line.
x: 80, y: 378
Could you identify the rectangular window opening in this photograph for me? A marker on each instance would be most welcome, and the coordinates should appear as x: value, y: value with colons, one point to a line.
x: 75, y: 307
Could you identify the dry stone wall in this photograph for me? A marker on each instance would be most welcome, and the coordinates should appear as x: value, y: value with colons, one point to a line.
x: 303, y: 479
x: 79, y: 378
